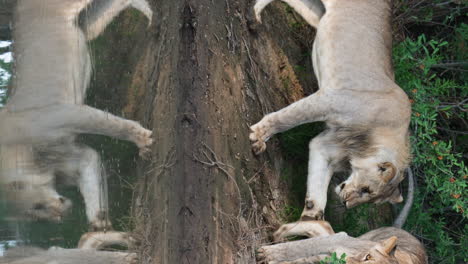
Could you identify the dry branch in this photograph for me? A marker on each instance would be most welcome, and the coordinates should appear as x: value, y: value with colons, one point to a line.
x: 212, y: 160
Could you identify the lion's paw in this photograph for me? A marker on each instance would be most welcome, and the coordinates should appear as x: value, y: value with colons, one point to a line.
x: 311, y: 212
x: 259, y: 135
x: 260, y: 255
x: 142, y: 138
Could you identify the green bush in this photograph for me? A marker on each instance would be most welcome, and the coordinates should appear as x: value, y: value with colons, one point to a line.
x: 334, y: 259
x: 5, y: 69
x: 439, y: 139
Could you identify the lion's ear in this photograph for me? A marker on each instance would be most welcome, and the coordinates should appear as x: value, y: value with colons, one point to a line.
x: 387, y: 171
x: 385, y: 247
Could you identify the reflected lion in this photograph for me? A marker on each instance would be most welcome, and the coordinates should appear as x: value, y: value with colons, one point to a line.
x: 46, y: 111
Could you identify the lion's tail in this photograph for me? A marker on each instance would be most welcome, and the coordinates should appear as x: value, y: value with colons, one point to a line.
x: 401, y: 219
x: 102, y: 239
x: 100, y: 13
x: 310, y: 10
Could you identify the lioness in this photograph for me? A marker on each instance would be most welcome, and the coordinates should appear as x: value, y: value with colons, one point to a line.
x: 87, y: 252
x: 383, y: 245
x: 367, y: 114
x: 387, y: 245
x: 45, y: 110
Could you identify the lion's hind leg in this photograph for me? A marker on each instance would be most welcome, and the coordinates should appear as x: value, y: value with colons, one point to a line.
x: 86, y: 163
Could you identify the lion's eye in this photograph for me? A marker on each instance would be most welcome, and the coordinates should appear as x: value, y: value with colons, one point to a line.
x: 365, y: 190
x: 382, y: 169
x: 368, y: 257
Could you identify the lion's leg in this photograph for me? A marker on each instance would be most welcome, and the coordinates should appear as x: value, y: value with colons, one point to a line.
x: 310, y: 109
x: 322, y: 155
x: 92, y: 186
x: 85, y: 119
x: 59, y: 121
x: 91, y: 120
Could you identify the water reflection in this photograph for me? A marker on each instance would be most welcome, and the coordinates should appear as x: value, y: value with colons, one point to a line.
x: 43, y: 157
x: 4, y: 245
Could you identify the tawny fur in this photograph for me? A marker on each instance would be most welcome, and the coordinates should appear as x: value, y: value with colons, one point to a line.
x: 86, y: 253
x: 100, y: 240
x: 383, y: 245
x: 45, y: 110
x: 367, y: 114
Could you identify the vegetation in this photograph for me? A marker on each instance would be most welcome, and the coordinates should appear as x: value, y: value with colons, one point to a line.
x: 430, y: 64
x: 5, y: 69
x: 334, y: 259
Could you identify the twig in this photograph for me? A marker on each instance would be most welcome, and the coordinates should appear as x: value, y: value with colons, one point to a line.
x: 450, y: 64
x: 168, y: 162
x: 453, y: 131
x: 211, y: 160
x: 256, y: 173
x: 457, y: 105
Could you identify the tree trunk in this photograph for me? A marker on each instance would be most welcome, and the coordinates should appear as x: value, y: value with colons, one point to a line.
x: 204, y: 77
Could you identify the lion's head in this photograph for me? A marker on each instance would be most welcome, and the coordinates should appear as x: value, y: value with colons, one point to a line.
x: 36, y: 201
x: 380, y: 253
x: 29, y: 189
x: 371, y: 180
x: 378, y: 159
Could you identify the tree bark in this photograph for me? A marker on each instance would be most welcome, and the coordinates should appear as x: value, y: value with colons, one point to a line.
x: 206, y: 76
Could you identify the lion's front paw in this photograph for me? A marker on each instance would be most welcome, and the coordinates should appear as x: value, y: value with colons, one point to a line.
x: 311, y: 212
x: 142, y: 138
x: 259, y: 135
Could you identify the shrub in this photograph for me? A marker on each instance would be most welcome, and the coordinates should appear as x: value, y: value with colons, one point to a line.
x: 334, y: 259
x: 439, y: 110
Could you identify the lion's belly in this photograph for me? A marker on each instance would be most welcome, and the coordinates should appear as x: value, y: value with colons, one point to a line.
x: 351, y: 50
x: 52, y: 65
